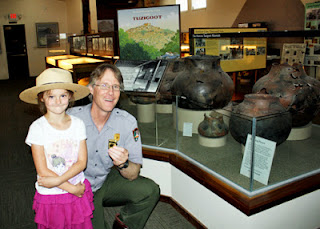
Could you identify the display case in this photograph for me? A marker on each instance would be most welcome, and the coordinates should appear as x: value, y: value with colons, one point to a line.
x: 53, y: 60
x: 275, y: 164
x: 79, y: 66
x: 252, y: 176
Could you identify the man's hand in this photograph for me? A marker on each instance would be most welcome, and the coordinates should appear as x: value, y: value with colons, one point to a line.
x: 119, y: 155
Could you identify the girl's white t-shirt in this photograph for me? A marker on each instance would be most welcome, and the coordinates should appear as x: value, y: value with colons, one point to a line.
x: 61, y: 148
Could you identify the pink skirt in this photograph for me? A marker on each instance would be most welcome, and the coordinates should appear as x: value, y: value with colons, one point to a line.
x: 64, y: 211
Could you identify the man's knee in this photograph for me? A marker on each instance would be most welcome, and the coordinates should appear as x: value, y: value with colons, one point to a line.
x: 149, y: 190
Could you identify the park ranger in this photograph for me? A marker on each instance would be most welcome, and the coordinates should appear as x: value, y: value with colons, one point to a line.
x: 115, y: 154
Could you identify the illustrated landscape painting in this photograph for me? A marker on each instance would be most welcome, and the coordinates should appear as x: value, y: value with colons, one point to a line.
x: 149, y: 33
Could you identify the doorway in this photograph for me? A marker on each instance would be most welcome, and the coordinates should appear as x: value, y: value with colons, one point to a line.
x: 17, y: 56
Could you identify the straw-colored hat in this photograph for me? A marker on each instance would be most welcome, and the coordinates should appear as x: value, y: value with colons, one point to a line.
x: 53, y: 78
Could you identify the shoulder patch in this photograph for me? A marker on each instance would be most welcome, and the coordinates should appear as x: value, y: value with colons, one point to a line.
x: 136, y: 134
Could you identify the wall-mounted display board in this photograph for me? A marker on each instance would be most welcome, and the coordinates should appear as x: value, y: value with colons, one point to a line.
x: 312, y: 22
x: 149, y: 33
x: 237, y: 53
x: 142, y: 77
x: 100, y: 44
x: 79, y: 45
x: 293, y: 53
x: 47, y: 34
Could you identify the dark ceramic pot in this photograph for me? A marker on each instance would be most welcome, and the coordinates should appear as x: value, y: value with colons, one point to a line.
x: 213, y: 126
x: 273, y: 121
x: 173, y: 69
x: 298, y: 92
x: 202, y: 84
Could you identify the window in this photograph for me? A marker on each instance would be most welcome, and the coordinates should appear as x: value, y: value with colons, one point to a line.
x: 199, y: 4
x: 183, y: 5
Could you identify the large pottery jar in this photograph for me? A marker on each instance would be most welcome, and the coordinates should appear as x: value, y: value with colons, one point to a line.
x: 202, y: 84
x: 173, y: 69
x: 298, y: 92
x: 273, y: 122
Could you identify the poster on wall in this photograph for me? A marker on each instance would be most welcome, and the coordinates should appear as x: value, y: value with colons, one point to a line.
x: 312, y: 22
x: 236, y: 53
x: 47, y: 34
x: 149, y: 33
x: 312, y: 16
x: 105, y: 26
x: 293, y: 53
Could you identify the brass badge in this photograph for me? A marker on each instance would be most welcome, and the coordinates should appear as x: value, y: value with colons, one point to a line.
x: 113, y: 142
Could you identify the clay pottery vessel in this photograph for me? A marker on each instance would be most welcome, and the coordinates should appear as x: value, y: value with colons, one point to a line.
x: 213, y: 126
x: 173, y: 69
x: 298, y: 92
x: 273, y: 122
x: 202, y: 84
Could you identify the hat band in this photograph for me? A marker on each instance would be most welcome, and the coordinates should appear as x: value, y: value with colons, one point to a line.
x: 52, y: 83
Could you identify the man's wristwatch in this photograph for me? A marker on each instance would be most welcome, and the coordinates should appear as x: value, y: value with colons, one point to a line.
x: 124, y: 165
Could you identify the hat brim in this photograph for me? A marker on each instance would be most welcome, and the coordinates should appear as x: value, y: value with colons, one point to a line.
x: 30, y: 95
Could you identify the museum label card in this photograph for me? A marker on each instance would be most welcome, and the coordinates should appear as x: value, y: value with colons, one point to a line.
x: 187, y: 129
x: 263, y: 156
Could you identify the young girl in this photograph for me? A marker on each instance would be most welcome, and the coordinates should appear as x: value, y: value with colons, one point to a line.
x: 63, y: 198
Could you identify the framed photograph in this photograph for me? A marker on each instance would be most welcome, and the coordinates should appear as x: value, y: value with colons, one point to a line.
x: 47, y: 35
x: 105, y: 25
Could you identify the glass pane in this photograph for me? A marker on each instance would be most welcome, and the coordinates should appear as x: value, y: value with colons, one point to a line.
x: 199, y: 4
x: 183, y: 5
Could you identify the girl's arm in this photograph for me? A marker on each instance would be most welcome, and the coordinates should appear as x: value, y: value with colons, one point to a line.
x: 47, y: 176
x: 75, y: 169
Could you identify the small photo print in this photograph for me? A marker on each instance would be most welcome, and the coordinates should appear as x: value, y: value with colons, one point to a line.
x: 316, y: 50
x: 261, y: 50
x: 250, y: 52
x: 200, y: 42
x: 200, y: 51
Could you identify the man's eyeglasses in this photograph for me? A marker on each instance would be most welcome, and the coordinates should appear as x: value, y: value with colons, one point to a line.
x: 106, y: 86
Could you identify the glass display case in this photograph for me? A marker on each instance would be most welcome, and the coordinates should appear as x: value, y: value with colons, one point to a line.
x: 79, y: 66
x: 274, y: 164
x: 251, y: 176
x: 53, y: 60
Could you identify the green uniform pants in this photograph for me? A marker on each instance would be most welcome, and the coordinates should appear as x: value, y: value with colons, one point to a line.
x: 139, y: 198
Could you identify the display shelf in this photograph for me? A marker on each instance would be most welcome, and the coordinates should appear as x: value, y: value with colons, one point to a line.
x: 247, y: 203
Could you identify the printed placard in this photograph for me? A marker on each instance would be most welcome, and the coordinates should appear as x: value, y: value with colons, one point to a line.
x: 263, y: 157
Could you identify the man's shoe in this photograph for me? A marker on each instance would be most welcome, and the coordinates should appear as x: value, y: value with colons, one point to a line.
x: 118, y: 224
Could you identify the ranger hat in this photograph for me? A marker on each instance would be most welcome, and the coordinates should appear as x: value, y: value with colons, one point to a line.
x: 53, y: 78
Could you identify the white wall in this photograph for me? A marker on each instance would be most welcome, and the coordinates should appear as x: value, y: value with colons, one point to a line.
x: 219, y: 13
x: 215, y: 213
x: 68, y: 13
